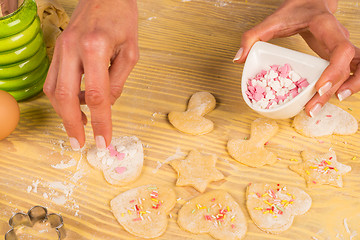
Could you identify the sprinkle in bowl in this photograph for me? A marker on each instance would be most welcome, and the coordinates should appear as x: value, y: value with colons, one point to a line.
x: 279, y: 65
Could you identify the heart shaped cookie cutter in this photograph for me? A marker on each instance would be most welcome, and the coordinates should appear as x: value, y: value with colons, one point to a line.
x: 34, y: 215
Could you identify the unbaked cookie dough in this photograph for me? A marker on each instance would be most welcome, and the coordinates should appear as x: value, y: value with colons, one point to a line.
x: 197, y: 170
x: 273, y: 207
x: 252, y: 152
x: 215, y: 213
x: 143, y: 211
x: 330, y: 120
x: 320, y: 169
x: 121, y: 162
x: 192, y: 121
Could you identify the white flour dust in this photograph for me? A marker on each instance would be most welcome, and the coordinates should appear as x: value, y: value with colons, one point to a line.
x: 178, y: 154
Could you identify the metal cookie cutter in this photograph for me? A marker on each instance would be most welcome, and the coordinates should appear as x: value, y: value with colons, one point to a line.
x: 34, y: 215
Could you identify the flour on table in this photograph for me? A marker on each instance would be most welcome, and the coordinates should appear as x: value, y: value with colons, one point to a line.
x: 178, y: 154
x: 62, y: 165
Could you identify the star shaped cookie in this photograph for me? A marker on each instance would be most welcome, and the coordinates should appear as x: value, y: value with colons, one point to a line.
x: 322, y: 169
x: 196, y: 170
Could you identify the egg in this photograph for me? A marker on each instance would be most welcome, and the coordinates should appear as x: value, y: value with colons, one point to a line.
x: 9, y: 114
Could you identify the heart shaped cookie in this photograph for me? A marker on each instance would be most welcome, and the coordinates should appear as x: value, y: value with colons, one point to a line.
x: 273, y: 207
x: 121, y: 162
x: 252, y: 152
x: 330, y: 120
x: 215, y: 213
x: 192, y: 121
x: 143, y: 211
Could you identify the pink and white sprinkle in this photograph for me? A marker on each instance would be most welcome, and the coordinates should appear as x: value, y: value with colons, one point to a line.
x: 274, y: 86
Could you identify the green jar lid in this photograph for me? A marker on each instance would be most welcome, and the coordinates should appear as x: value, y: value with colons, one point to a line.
x: 20, y: 39
x: 18, y: 20
x: 23, y: 58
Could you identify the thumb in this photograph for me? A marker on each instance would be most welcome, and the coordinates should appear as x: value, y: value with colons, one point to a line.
x: 264, y: 31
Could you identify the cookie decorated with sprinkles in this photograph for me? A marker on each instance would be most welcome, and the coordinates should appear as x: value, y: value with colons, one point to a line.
x: 121, y: 162
x: 321, y: 169
x: 215, y: 213
x: 330, y: 120
x: 143, y: 211
x: 273, y: 207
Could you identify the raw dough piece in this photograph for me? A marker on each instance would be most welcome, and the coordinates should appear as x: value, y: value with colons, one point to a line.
x: 215, y: 213
x: 330, y: 120
x: 143, y: 211
x: 121, y: 162
x: 252, y: 152
x: 192, y: 121
x: 197, y: 170
x: 321, y: 169
x: 273, y: 207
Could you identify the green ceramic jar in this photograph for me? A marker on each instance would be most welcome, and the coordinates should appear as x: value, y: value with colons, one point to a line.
x: 23, y: 59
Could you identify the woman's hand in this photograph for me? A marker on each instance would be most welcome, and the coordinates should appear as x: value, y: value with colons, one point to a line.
x: 100, y: 33
x: 315, y: 22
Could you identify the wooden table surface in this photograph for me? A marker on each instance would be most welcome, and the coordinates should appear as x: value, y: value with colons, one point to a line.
x: 186, y: 46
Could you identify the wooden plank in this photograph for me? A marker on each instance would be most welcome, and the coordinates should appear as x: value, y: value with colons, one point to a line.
x: 186, y: 46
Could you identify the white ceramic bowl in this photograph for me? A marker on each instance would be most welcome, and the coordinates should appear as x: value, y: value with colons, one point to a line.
x: 263, y: 55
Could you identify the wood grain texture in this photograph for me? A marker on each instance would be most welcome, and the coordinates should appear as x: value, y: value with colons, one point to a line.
x: 186, y: 46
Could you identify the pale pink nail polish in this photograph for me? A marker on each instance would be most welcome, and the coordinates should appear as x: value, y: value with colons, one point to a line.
x: 74, y: 143
x: 315, y: 110
x: 344, y: 94
x: 326, y: 87
x: 100, y: 142
x: 238, y: 55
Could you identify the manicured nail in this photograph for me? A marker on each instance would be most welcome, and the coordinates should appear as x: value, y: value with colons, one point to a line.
x: 326, y: 87
x: 74, y: 143
x: 238, y: 55
x: 100, y: 142
x: 315, y: 110
x: 344, y: 94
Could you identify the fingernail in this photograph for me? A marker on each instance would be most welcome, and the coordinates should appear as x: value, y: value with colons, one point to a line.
x: 238, y: 55
x: 344, y: 94
x: 326, y: 87
x: 315, y: 110
x: 100, y: 142
x: 74, y: 143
